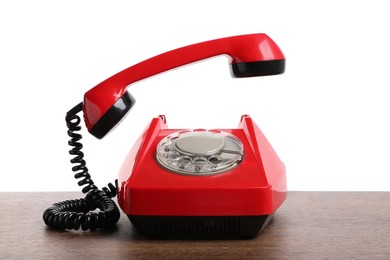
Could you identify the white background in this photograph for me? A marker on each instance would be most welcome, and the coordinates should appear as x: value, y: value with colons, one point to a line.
x: 327, y: 116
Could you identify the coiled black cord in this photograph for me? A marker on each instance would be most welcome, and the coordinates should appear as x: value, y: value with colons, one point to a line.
x: 73, y: 214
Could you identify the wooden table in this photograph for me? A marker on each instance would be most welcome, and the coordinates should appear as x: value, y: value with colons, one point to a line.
x: 309, y: 225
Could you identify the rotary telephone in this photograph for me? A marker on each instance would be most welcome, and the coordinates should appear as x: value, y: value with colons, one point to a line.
x: 216, y: 183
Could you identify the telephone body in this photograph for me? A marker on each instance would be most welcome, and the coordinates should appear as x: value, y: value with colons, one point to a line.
x: 215, y: 183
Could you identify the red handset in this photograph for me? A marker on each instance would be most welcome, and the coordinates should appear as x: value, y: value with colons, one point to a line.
x: 249, y: 55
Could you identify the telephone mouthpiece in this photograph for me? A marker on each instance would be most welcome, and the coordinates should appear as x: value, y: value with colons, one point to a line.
x: 113, y: 116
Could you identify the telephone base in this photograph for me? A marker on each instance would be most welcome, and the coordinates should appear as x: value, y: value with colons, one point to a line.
x: 200, y: 227
x: 163, y: 201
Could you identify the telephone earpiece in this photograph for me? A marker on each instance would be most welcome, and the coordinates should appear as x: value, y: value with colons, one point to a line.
x: 249, y: 56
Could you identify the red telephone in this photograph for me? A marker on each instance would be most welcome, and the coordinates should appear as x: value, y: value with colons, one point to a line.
x: 180, y: 182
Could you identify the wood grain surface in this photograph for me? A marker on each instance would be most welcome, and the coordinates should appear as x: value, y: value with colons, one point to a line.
x: 309, y: 225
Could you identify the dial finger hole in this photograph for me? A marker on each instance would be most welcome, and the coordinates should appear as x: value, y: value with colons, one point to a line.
x: 199, y: 161
x: 183, y: 161
x: 172, y: 155
x: 215, y: 159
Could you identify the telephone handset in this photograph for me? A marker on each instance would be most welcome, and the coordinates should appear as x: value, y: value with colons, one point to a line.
x: 189, y: 182
x: 249, y: 56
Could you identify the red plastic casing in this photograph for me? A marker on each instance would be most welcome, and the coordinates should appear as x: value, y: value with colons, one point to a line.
x: 242, y: 48
x: 257, y: 186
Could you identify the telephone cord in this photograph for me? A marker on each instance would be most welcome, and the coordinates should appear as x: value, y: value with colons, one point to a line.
x: 80, y: 213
